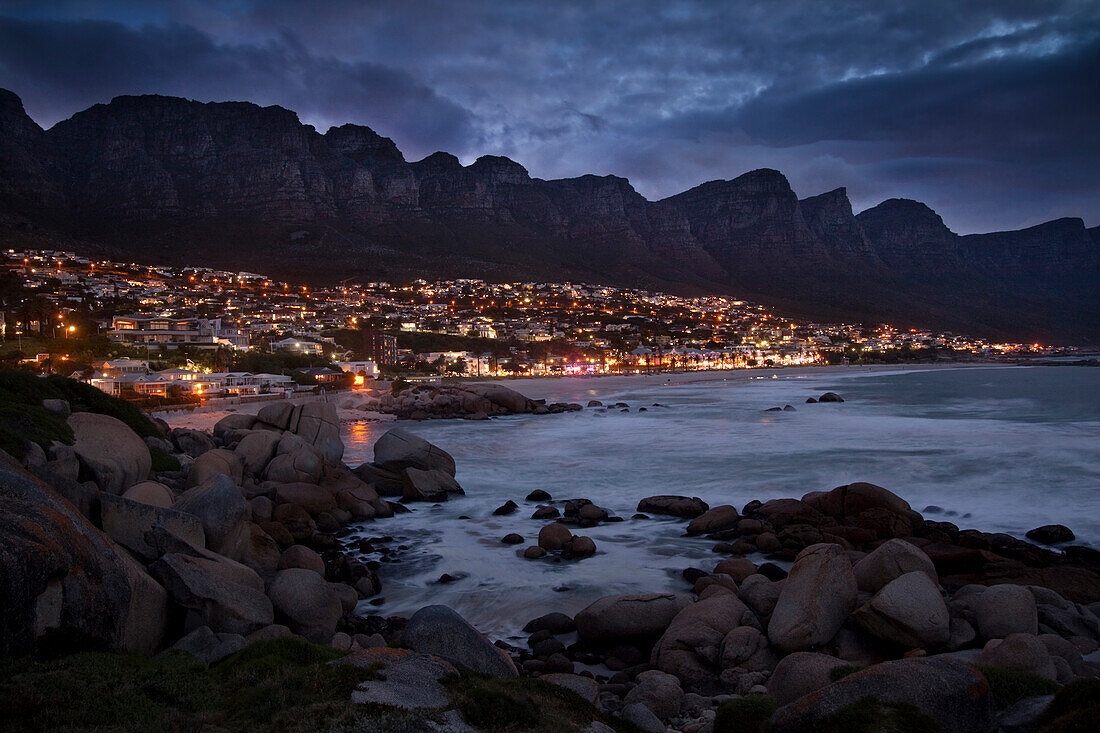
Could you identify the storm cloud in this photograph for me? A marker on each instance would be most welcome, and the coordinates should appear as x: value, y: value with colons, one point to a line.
x: 985, y: 110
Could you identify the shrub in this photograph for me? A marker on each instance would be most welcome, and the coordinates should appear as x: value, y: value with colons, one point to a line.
x: 873, y: 716
x: 1075, y: 708
x: 748, y: 714
x: 1010, y: 686
x: 163, y: 460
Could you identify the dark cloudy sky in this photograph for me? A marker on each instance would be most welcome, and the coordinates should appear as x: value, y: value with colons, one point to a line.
x: 989, y: 111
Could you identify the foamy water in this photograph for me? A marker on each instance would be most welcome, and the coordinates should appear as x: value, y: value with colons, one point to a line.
x: 999, y: 449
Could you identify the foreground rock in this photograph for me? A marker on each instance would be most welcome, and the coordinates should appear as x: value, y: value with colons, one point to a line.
x: 816, y: 598
x: 629, y: 617
x: 110, y: 453
x: 407, y: 679
x: 954, y: 695
x: 226, y: 596
x: 57, y: 571
x: 440, y: 631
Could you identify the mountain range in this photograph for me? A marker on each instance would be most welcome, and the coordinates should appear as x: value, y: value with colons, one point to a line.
x: 235, y: 185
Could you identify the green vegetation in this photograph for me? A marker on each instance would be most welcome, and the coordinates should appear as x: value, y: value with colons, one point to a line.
x: 284, y: 685
x: 23, y: 418
x: 748, y: 714
x: 1009, y: 686
x: 522, y: 705
x: 163, y: 460
x: 873, y: 716
x: 1075, y: 708
x: 839, y: 673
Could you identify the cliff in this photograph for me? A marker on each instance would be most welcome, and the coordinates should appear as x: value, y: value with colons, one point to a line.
x: 243, y: 186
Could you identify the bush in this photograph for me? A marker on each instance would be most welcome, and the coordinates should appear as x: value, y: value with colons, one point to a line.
x: 1075, y: 708
x: 872, y: 716
x: 21, y: 422
x: 748, y: 714
x: 163, y: 460
x: 1010, y: 686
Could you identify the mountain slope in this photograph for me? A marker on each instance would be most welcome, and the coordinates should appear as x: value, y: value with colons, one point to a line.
x: 242, y: 186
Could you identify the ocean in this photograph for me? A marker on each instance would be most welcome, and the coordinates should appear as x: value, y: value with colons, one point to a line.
x: 1000, y: 449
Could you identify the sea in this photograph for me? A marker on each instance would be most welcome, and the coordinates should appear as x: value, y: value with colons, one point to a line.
x: 999, y: 449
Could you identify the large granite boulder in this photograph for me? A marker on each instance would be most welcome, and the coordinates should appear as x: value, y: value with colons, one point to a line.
x: 746, y: 648
x: 256, y: 449
x: 1020, y: 653
x: 909, y: 611
x: 691, y: 647
x: 953, y: 694
x: 219, y: 593
x: 658, y: 691
x: 231, y: 423
x: 398, y: 449
x: 220, y: 506
x: 868, y: 506
x: 192, y: 442
x: 152, y: 493
x: 439, y: 630
x: 311, y: 497
x: 282, y: 415
x: 126, y: 522
x: 309, y: 605
x: 816, y: 598
x: 800, y: 674
x: 630, y: 617
x: 295, y: 461
x: 889, y: 561
x: 405, y: 679
x: 110, y: 453
x: 319, y: 426
x: 208, y: 647
x: 1005, y: 609
x: 687, y: 507
x: 57, y: 571
x: 507, y: 399
x: 431, y: 485
x: 212, y: 463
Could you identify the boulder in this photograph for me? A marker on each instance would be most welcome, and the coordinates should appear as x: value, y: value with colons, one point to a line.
x: 294, y: 461
x: 256, y: 450
x: 760, y: 594
x: 192, y: 442
x: 579, y: 546
x: 295, y: 520
x: 217, y: 461
x: 222, y: 594
x: 57, y: 571
x: 405, y: 679
x: 714, y: 520
x: 310, y: 606
x: 1051, y: 534
x: 642, y: 718
x: 59, y: 408
x: 1021, y: 653
x: 954, y: 695
x: 311, y: 497
x: 800, y: 674
x: 126, y: 522
x: 430, y: 485
x: 830, y: 397
x: 614, y: 619
x: 889, y: 561
x: 866, y: 504
x: 282, y: 415
x: 658, y: 691
x: 1005, y: 609
x: 319, y: 426
x: 152, y: 493
x: 817, y: 597
x: 208, y: 647
x: 908, y: 611
x: 676, y: 506
x: 738, y: 568
x: 230, y: 423
x: 110, y: 453
x: 691, y: 647
x: 746, y: 647
x: 440, y: 631
x: 260, y: 552
x: 554, y: 622
x: 586, y: 687
x: 554, y: 537
x: 398, y: 449
x: 221, y: 508
x: 300, y: 556
x: 503, y: 397
x: 780, y: 513
x: 361, y: 501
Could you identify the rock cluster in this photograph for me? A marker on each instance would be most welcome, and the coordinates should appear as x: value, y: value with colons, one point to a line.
x: 473, y: 401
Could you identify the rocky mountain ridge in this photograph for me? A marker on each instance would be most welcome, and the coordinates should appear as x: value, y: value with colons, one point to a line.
x: 242, y: 186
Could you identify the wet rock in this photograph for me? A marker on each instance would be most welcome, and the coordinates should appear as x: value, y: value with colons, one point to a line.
x: 538, y: 495
x: 1051, y: 534
x: 554, y: 537
x: 676, y: 506
x: 579, y: 546
x: 546, y: 512
x: 830, y: 397
x: 506, y: 508
x: 512, y: 539
x: 440, y: 631
x: 714, y: 520
x: 534, y: 552
x: 555, y: 623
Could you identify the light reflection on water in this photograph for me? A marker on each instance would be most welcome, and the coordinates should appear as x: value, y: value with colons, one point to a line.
x: 1015, y: 448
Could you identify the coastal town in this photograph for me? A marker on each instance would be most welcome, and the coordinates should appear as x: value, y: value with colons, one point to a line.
x: 192, y: 333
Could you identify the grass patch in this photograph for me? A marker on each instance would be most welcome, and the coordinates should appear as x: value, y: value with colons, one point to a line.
x: 163, y: 460
x: 1075, y: 708
x: 873, y: 716
x: 749, y: 714
x: 281, y: 685
x: 19, y: 423
x: 1010, y: 686
x: 839, y: 673
x: 523, y: 705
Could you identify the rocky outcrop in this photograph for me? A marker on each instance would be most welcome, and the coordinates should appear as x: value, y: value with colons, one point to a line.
x: 110, y: 453
x: 440, y: 631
